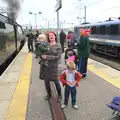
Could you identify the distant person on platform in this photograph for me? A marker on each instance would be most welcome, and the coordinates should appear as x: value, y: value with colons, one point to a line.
x: 30, y: 37
x: 72, y: 42
x: 83, y: 48
x: 62, y: 39
x: 36, y: 36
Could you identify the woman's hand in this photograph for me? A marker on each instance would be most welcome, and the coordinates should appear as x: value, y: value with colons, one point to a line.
x: 44, y: 56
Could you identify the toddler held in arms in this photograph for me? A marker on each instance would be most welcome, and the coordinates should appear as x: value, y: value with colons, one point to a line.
x: 42, y: 47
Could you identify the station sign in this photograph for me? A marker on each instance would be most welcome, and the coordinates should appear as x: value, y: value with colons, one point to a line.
x: 58, y: 5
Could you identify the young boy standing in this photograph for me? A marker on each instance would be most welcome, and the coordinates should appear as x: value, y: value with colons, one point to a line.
x: 70, y: 78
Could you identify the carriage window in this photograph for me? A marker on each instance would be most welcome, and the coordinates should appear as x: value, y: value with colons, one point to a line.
x: 98, y: 30
x: 107, y: 30
x: 93, y: 30
x: 10, y: 32
x: 119, y: 30
x: 20, y: 30
x: 102, y: 29
x: 114, y: 30
x: 2, y: 25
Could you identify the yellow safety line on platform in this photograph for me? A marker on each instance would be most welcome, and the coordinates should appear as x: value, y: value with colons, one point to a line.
x: 107, y: 77
x: 18, y: 105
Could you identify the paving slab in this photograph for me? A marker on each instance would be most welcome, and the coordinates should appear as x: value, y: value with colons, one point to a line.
x: 9, y: 80
x: 93, y: 94
x: 107, y: 73
x: 3, y: 108
x: 38, y: 107
x: 6, y: 90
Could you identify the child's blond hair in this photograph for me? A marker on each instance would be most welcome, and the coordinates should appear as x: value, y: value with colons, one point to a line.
x: 71, y: 65
x: 42, y: 35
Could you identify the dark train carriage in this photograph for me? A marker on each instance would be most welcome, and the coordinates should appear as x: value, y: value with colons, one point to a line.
x: 105, y: 37
x: 11, y: 39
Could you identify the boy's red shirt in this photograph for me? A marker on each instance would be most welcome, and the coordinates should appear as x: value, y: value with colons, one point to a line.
x: 78, y: 77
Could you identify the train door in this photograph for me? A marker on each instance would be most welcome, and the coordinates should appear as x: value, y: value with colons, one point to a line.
x: 20, y: 36
x: 2, y: 37
x: 10, y: 38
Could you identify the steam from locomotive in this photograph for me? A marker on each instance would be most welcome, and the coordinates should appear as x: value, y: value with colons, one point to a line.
x: 13, y: 8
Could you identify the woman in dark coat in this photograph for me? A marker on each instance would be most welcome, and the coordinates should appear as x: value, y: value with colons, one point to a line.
x: 50, y: 72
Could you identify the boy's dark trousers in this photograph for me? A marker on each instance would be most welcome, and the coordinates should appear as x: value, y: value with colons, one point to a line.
x: 67, y: 91
x: 30, y: 46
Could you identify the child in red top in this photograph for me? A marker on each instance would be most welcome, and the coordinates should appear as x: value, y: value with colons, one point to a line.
x: 70, y: 78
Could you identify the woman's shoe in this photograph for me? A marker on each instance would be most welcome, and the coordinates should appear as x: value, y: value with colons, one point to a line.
x: 59, y: 98
x: 47, y: 97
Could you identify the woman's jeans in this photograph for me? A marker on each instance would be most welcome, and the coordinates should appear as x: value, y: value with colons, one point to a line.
x: 57, y: 84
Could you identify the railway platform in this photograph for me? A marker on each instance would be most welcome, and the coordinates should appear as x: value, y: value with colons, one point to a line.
x: 22, y: 92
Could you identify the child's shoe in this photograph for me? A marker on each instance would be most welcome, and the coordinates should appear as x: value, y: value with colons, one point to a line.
x: 75, y: 107
x: 63, y: 106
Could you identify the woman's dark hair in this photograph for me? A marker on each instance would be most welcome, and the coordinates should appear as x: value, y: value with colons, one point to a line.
x: 55, y: 36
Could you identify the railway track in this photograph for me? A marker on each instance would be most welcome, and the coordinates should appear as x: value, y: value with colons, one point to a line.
x: 107, y: 60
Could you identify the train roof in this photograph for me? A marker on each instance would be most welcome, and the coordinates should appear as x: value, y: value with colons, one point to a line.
x: 114, y: 22
x: 6, y: 19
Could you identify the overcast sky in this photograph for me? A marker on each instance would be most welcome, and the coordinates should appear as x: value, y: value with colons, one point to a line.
x: 97, y: 10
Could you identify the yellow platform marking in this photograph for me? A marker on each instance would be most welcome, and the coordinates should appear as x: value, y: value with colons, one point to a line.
x: 107, y: 74
x: 18, y: 105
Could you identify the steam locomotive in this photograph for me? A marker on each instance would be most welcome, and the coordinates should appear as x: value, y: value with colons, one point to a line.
x: 12, y: 39
x: 104, y: 38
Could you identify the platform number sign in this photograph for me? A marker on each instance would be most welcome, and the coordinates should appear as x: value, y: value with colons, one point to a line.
x: 58, y: 5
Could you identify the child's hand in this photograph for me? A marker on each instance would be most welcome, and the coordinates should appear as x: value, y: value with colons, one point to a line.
x: 74, y: 83
x: 69, y: 84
